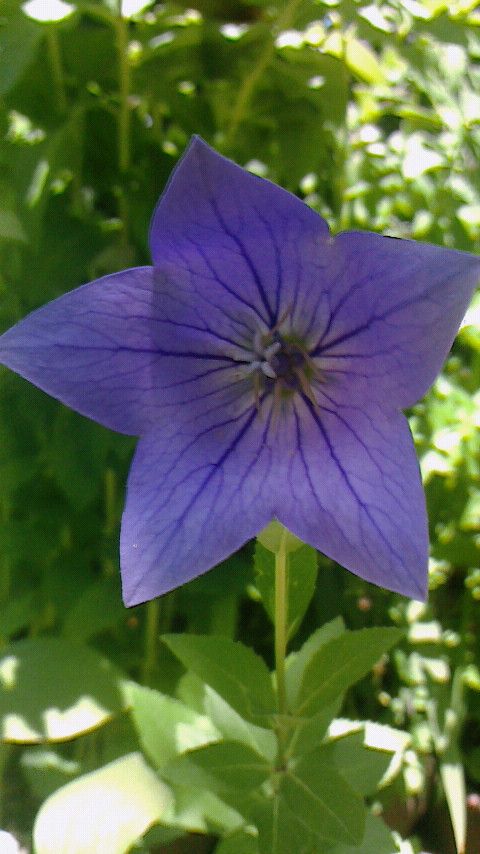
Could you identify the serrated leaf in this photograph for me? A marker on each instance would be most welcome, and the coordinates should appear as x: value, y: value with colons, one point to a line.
x: 106, y: 810
x: 281, y: 831
x: 202, y: 812
x: 377, y: 840
x: 320, y: 797
x: 340, y: 663
x: 361, y: 766
x: 235, y: 728
x: 235, y: 672
x: 53, y: 690
x: 298, y: 661
x: 227, y: 766
x: 310, y: 732
x: 166, y: 727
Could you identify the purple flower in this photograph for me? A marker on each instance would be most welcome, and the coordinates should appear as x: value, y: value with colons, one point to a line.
x: 264, y: 365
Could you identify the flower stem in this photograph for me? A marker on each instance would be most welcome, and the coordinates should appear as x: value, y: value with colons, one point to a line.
x: 110, y: 515
x: 252, y: 78
x: 55, y: 58
x: 281, y: 607
x: 151, y: 640
x: 121, y: 28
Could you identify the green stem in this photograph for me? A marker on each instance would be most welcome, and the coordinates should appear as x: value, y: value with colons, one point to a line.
x: 121, y: 28
x: 251, y: 80
x: 5, y: 573
x: 110, y: 501
x: 281, y: 605
x: 151, y: 640
x: 110, y: 515
x: 55, y: 58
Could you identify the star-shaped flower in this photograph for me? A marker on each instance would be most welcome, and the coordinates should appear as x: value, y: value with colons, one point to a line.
x: 264, y: 364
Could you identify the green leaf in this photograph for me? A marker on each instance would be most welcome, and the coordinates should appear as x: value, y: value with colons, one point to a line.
x: 77, y: 450
x: 453, y: 781
x: 46, y: 770
x: 360, y: 765
x: 201, y: 811
x: 377, y: 839
x: 235, y: 672
x: 227, y: 767
x: 362, y: 60
x: 241, y: 842
x: 17, y: 613
x: 310, y: 732
x: 19, y: 38
x: 53, y: 690
x: 99, y: 607
x: 298, y: 661
x: 235, y: 728
x: 281, y: 831
x: 48, y: 11
x: 302, y: 576
x: 340, y: 663
x: 106, y: 810
x: 166, y: 727
x: 321, y: 798
x: 274, y: 534
x: 10, y: 227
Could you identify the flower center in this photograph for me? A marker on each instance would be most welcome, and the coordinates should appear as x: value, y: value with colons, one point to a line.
x: 281, y: 365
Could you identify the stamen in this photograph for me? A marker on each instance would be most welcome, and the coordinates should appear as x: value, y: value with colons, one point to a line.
x: 272, y: 350
x: 255, y: 365
x: 268, y: 370
x: 281, y: 366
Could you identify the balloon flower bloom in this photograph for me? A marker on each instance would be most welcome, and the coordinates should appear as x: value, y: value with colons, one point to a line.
x: 264, y: 365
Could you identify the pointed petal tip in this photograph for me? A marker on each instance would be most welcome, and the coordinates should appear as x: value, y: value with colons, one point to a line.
x: 130, y: 600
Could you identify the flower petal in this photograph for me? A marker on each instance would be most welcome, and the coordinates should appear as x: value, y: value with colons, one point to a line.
x: 394, y: 308
x: 125, y: 349
x: 195, y: 495
x: 239, y: 235
x: 353, y: 490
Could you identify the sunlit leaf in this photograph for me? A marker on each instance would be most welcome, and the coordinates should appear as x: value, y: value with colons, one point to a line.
x: 340, y: 663
x: 166, y: 727
x: 362, y: 60
x: 453, y: 781
x: 47, y: 11
x: 19, y: 38
x: 322, y: 800
x: 106, y: 810
x: 231, y: 669
x: 53, y: 690
x: 10, y: 227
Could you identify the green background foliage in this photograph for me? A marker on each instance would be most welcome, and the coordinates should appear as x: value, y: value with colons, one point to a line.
x: 369, y: 112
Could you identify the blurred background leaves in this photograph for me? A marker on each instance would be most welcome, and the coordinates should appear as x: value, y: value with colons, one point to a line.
x: 370, y: 112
